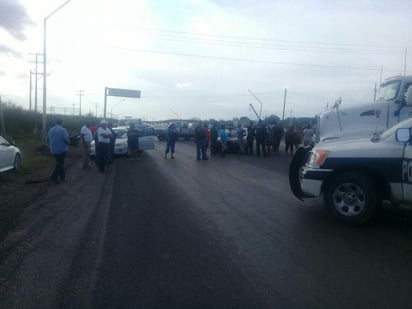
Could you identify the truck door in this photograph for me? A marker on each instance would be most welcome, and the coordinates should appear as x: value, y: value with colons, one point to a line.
x: 406, y: 109
x: 407, y: 172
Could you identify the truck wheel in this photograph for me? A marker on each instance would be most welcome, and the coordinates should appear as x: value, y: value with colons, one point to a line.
x: 352, y: 197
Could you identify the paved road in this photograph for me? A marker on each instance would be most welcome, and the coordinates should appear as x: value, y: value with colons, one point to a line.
x: 228, y: 233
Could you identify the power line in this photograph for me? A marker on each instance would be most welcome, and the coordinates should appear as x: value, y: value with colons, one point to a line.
x: 271, y: 46
x: 246, y: 38
x: 253, y: 60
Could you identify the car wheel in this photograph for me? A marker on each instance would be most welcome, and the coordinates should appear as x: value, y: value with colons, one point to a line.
x: 352, y: 197
x: 17, y: 162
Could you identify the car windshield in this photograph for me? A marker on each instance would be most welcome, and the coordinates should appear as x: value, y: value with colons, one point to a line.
x: 389, y: 90
x: 390, y: 132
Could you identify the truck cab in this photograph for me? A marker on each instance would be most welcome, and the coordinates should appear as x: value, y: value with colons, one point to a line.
x: 355, y: 175
x: 394, y: 104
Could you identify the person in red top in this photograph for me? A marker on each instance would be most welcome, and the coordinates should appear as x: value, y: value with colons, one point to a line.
x: 208, y: 135
x: 93, y: 129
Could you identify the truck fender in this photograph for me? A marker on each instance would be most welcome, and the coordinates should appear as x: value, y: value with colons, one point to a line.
x: 297, y: 162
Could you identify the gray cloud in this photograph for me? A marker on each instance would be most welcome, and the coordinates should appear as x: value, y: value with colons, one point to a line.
x: 7, y: 50
x: 2, y: 73
x: 14, y: 18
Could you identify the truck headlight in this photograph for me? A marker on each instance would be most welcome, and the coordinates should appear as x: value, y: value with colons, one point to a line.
x: 318, y: 157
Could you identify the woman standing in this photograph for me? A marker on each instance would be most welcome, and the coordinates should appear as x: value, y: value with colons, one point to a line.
x: 133, y: 141
x: 171, y: 137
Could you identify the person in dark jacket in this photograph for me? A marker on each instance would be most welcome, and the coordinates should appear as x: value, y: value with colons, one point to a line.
x: 260, y: 133
x: 277, y: 136
x: 200, y: 139
x: 112, y: 143
x: 171, y: 137
x: 290, y: 140
x: 133, y: 141
x: 250, y: 138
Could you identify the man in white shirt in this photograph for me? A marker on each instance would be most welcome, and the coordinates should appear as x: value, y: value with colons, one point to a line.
x: 86, y: 138
x: 103, y: 144
x: 307, y: 136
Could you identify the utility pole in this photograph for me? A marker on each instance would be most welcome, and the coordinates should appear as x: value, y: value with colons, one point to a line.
x: 30, y: 91
x: 284, y: 104
x: 374, y: 93
x: 80, y: 93
x: 35, y: 80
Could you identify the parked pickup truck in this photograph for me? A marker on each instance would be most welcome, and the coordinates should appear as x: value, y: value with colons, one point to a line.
x: 355, y: 175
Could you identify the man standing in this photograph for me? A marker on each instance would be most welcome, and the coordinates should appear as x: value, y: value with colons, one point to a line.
x: 250, y: 138
x: 240, y: 135
x: 103, y: 136
x: 277, y: 136
x: 86, y: 138
x: 200, y: 139
x: 260, y: 133
x: 58, y: 139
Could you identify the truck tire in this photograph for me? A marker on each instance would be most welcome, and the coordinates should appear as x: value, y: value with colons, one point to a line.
x: 352, y: 197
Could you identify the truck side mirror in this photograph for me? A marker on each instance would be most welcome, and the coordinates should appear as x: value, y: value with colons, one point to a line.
x: 403, y: 135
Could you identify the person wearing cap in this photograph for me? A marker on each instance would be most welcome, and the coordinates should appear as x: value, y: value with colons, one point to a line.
x: 58, y: 140
x: 103, y: 145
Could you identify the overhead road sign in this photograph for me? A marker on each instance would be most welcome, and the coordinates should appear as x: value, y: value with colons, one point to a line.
x: 115, y: 92
x: 126, y: 93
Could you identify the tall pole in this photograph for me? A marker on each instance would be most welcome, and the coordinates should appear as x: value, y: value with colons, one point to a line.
x: 45, y: 69
x: 404, y: 65
x: 43, y: 129
x: 284, y: 104
x: 35, y: 84
x: 105, y: 102
x: 80, y: 93
x: 30, y: 91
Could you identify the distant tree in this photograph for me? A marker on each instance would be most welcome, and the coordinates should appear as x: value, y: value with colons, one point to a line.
x: 272, y: 119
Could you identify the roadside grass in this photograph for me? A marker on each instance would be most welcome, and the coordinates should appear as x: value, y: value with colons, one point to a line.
x: 34, y: 156
x: 15, y: 195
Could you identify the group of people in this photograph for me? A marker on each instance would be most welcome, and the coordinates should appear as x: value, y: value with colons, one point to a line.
x: 267, y: 139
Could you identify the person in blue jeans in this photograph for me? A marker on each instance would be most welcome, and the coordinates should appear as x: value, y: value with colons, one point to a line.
x: 171, y: 137
x: 58, y: 140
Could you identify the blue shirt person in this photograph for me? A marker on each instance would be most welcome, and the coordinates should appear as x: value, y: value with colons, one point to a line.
x: 58, y: 140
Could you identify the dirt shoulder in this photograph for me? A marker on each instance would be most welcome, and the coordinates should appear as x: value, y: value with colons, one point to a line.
x: 39, y: 248
x: 18, y: 190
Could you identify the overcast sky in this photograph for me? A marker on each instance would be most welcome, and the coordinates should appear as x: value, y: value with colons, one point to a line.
x: 200, y: 58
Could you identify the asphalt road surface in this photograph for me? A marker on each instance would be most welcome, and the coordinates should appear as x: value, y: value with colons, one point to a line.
x: 222, y: 233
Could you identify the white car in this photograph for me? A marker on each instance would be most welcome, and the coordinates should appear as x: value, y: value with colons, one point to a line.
x: 146, y: 142
x: 10, y: 156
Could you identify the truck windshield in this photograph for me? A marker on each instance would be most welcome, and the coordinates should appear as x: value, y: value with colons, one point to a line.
x: 389, y: 90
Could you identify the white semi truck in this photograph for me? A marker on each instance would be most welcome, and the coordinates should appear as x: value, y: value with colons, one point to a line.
x: 394, y: 104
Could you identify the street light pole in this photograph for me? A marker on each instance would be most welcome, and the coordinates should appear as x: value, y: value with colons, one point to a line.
x: 111, y: 110
x: 45, y: 69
